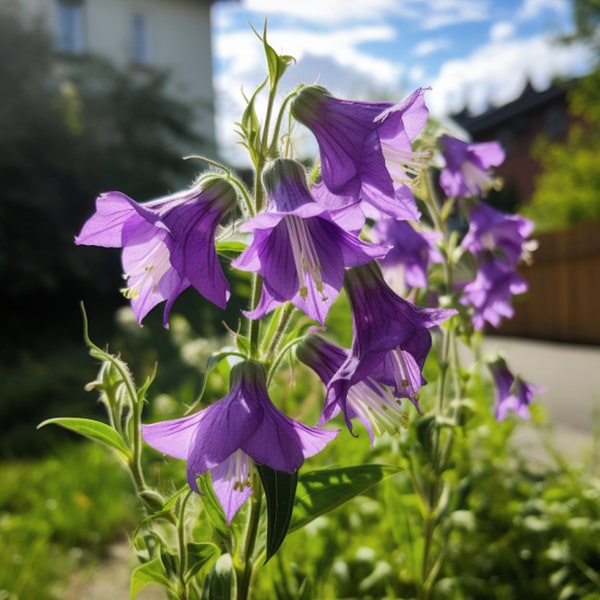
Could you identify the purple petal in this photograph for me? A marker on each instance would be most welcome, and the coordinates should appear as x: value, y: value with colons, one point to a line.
x: 172, y: 437
x: 231, y: 483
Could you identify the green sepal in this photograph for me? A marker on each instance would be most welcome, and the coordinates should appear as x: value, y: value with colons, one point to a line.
x: 147, y: 573
x: 93, y: 430
x: 322, y: 490
x: 280, y: 492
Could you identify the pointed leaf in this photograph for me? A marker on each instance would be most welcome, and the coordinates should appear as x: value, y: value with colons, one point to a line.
x: 276, y: 64
x: 280, y: 491
x: 93, y: 430
x: 212, y: 506
x: 199, y: 555
x: 150, y: 572
x: 218, y: 583
x: 325, y: 489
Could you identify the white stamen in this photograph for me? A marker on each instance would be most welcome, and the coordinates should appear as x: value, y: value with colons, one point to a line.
x: 305, y: 255
x: 376, y: 404
x: 404, y: 166
x: 477, y: 179
x: 240, y: 470
x: 402, y: 374
x: 153, y: 266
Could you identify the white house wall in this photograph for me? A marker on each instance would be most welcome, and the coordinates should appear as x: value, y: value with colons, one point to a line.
x: 179, y: 37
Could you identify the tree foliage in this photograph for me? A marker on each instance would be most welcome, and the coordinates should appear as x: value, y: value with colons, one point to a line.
x: 567, y: 190
x: 72, y: 128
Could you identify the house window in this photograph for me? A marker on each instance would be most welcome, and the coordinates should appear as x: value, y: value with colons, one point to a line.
x: 140, y: 40
x: 71, y: 30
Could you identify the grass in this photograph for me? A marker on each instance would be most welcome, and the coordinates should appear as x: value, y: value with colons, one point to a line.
x: 56, y: 512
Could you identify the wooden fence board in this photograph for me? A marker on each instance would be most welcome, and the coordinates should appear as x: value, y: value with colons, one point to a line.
x: 563, y: 301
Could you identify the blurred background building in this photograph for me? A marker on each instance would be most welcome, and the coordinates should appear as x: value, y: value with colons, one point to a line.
x: 142, y: 36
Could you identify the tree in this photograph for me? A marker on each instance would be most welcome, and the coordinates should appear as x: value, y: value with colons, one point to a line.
x: 567, y: 191
x: 71, y: 130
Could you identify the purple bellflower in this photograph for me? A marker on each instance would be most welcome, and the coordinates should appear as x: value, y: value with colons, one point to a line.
x: 168, y: 244
x: 365, y: 147
x: 494, y: 231
x: 390, y: 344
x: 512, y: 393
x: 298, y: 249
x: 490, y: 293
x: 228, y: 437
x: 368, y: 400
x: 467, y: 168
x: 411, y: 252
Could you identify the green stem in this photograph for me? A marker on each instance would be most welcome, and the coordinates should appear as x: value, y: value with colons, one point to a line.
x: 254, y: 324
x: 183, y: 556
x: 440, y: 455
x: 284, y: 321
x: 252, y: 527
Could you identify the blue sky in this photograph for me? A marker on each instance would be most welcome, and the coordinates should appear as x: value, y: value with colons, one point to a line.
x: 473, y: 53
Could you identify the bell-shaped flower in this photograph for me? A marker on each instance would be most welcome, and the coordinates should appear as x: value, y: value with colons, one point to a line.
x: 490, y: 293
x: 298, y: 248
x: 231, y: 436
x: 365, y: 147
x: 512, y: 393
x: 498, y: 232
x: 168, y: 243
x: 411, y: 253
x: 368, y: 400
x: 467, y: 166
x: 391, y: 340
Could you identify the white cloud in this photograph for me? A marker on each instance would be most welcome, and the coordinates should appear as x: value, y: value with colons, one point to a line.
x: 502, y: 30
x: 332, y: 58
x: 533, y: 9
x: 428, y: 14
x: 497, y: 73
x: 330, y: 40
x: 431, y: 45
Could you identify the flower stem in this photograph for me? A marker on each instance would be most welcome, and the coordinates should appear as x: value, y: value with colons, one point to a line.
x: 246, y: 572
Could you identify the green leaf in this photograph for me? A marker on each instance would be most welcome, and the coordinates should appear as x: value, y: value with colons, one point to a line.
x: 323, y: 490
x: 150, y: 572
x: 230, y: 249
x: 277, y: 65
x: 280, y: 491
x: 218, y: 582
x: 93, y: 430
x: 213, y: 507
x: 199, y: 555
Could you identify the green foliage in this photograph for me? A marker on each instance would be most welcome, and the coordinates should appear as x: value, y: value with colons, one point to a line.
x: 567, y: 191
x: 515, y: 526
x: 71, y: 129
x: 57, y: 512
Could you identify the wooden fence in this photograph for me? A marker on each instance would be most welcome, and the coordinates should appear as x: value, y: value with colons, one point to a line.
x: 563, y: 301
